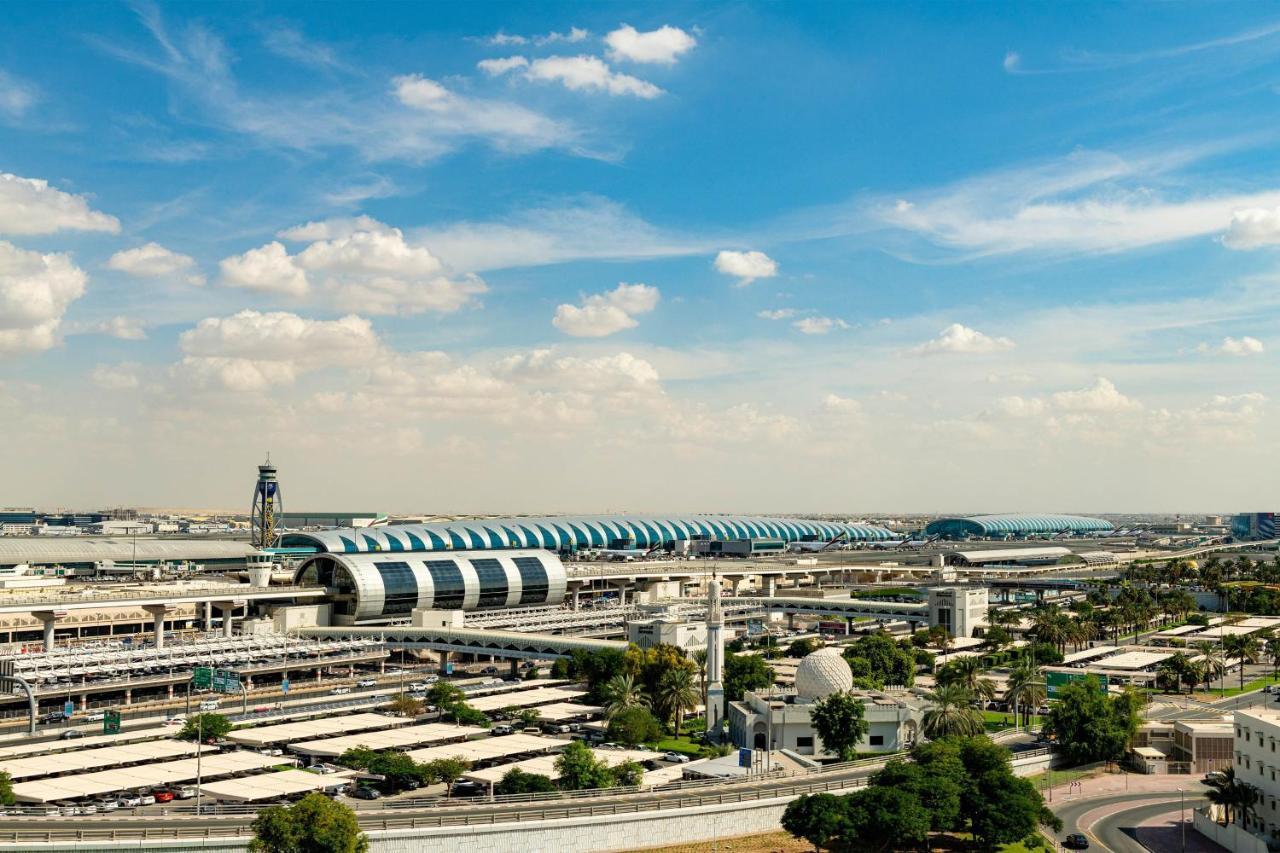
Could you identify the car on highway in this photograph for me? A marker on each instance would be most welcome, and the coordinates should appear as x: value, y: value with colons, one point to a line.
x: 500, y: 730
x: 71, y: 734
x: 1075, y: 841
x: 367, y: 682
x: 489, y: 670
x: 340, y: 691
x: 209, y: 705
x: 420, y: 686
x: 52, y: 717
x: 175, y: 721
x: 364, y: 793
x: 95, y: 717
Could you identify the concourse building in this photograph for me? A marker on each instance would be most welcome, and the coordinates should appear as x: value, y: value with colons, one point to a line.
x: 1015, y: 525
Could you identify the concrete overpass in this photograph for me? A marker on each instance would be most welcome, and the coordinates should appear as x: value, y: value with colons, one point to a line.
x: 885, y: 610
x: 513, y: 645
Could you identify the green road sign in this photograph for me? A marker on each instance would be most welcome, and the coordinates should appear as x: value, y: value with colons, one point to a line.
x: 111, y: 723
x: 202, y: 677
x: 226, y: 681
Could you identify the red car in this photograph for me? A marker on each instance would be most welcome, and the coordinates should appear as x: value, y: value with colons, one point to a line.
x: 163, y: 795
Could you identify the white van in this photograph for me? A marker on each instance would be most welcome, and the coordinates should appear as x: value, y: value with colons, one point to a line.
x: 209, y: 705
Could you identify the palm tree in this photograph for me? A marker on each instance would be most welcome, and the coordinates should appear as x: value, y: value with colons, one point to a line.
x: 1244, y: 648
x: 1273, y: 654
x: 1026, y: 689
x: 951, y: 713
x: 622, y: 691
x: 967, y: 672
x: 1049, y: 625
x: 1211, y: 664
x: 1003, y: 617
x: 1237, y: 798
x: 676, y: 692
x: 700, y: 659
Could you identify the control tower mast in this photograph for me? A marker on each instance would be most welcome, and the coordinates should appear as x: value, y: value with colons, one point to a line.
x: 267, y: 505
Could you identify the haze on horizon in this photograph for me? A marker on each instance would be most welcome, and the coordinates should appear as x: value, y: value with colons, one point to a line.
x: 560, y: 257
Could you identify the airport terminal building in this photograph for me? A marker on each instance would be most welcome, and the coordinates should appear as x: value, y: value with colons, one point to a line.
x: 1014, y: 525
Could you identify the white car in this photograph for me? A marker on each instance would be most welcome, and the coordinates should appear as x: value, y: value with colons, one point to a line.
x: 106, y: 805
x: 130, y: 801
x: 340, y: 691
x: 146, y: 800
x: 175, y: 721
x: 367, y: 682
x: 95, y: 717
x: 677, y: 757
x: 418, y: 686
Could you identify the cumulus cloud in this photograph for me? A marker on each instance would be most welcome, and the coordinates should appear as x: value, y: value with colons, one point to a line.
x: 961, y: 339
x: 589, y: 74
x: 116, y: 377
x: 819, y: 325
x: 1241, y: 346
x: 573, y: 36
x: 35, y: 290
x: 604, y: 314
x: 356, y: 264
x: 777, y: 314
x: 663, y: 46
x: 267, y: 269
x: 1253, y: 228
x: 1102, y: 396
x: 746, y: 266
x: 31, y: 206
x: 123, y: 328
x: 498, y: 67
x: 253, y: 351
x: 607, y: 373
x: 837, y: 405
x: 155, y: 261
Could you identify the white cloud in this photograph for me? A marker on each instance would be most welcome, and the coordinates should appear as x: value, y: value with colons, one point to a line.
x: 961, y: 339
x: 606, y: 373
x: 663, y: 46
x: 777, y: 314
x: 16, y: 96
x: 498, y: 67
x: 604, y: 314
x: 1241, y: 346
x: 31, y: 206
x: 35, y: 290
x: 1253, y: 228
x: 746, y: 266
x: 1011, y: 61
x: 837, y: 405
x: 1021, y: 407
x: 331, y: 229
x: 154, y: 261
x: 253, y: 351
x: 573, y: 36
x: 1102, y: 396
x: 267, y: 269
x: 1089, y: 202
x: 591, y: 74
x: 123, y: 328
x: 448, y: 114
x: 819, y: 325
x: 116, y: 377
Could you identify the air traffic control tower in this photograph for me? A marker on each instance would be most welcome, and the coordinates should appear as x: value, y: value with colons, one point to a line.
x: 267, y: 506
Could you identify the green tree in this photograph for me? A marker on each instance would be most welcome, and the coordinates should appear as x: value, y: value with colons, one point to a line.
x: 404, y: 705
x: 819, y: 819
x: 622, y: 692
x: 397, y: 769
x: 1025, y: 690
x: 315, y: 824
x: 628, y: 774
x: 464, y: 715
x: 1243, y: 648
x: 745, y: 672
x: 6, y: 789
x: 677, y: 692
x: 967, y: 672
x: 209, y: 725
x: 882, y: 659
x: 1089, y: 725
x: 578, y: 769
x: 445, y: 696
x: 358, y: 757
x: 950, y: 712
x: 1008, y: 810
x: 519, y: 782
x: 840, y: 720
x: 633, y: 726
x: 880, y: 818
x: 446, y: 770
x: 802, y: 647
x: 596, y: 668
x: 938, y: 786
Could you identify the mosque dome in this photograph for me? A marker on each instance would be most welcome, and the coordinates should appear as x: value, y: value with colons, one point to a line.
x: 822, y: 673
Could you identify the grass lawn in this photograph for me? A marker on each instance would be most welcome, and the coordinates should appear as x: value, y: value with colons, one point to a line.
x: 682, y: 744
x: 1060, y: 778
x: 995, y: 721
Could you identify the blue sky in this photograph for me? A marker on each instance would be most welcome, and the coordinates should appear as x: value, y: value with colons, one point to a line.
x: 831, y: 257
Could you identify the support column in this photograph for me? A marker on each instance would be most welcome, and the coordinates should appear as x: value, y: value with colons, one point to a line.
x: 49, y: 619
x: 770, y: 585
x: 791, y: 621
x: 128, y: 696
x: 317, y: 675
x: 170, y: 692
x: 444, y: 659
x: 622, y: 591
x: 515, y: 668
x: 577, y: 593
x: 158, y: 612
x: 208, y: 616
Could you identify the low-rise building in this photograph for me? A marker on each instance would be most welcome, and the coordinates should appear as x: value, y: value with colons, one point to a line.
x: 1256, y: 757
x: 779, y: 718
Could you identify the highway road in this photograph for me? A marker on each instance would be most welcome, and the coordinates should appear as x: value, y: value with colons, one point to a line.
x: 1107, y: 832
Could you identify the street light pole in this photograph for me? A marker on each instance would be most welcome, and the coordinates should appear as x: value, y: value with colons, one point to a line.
x: 199, y: 748
x: 1182, y: 817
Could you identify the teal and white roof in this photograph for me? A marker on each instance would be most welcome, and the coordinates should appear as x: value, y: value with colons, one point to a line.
x: 571, y: 532
x: 1016, y: 524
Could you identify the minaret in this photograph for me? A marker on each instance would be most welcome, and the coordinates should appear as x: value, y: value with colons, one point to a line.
x: 715, y: 659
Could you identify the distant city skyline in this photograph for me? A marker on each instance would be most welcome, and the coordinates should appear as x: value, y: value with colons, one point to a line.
x: 555, y: 257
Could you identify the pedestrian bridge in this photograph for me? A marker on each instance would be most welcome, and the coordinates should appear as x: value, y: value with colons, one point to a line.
x: 885, y: 610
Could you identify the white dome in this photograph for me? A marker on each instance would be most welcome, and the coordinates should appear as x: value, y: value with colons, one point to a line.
x: 822, y: 673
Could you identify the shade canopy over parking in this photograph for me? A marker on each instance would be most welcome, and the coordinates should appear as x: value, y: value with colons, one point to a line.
x: 93, y: 759
x: 273, y: 786
x: 211, y: 766
x: 310, y: 729
x: 20, y: 750
x: 387, y: 739
x: 525, y: 698
x: 487, y: 749
x: 558, y: 711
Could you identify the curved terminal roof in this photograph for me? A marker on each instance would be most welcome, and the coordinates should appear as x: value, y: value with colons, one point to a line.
x: 570, y: 532
x: 1015, y: 524
x: 87, y: 549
